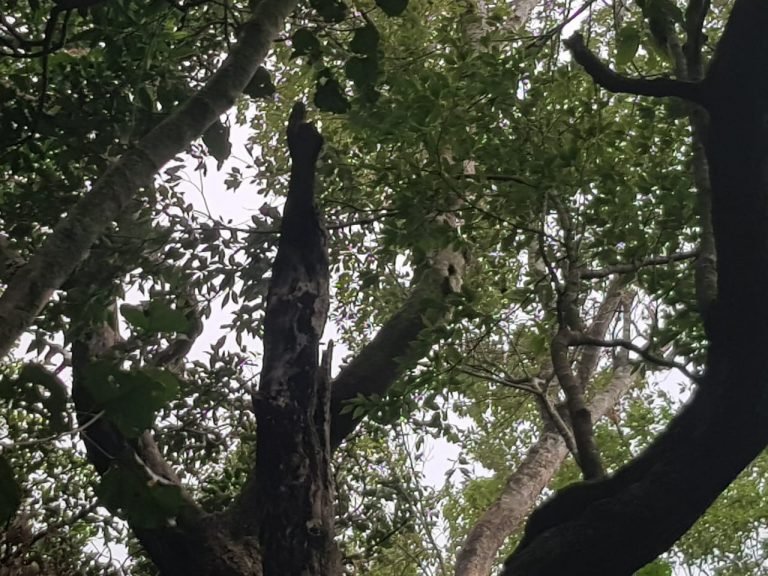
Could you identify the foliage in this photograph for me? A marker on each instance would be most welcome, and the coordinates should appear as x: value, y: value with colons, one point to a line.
x: 424, y: 120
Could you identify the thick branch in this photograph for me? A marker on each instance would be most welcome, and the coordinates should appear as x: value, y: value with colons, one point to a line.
x: 182, y: 546
x: 396, y: 346
x: 569, y: 318
x: 33, y: 285
x: 588, y: 456
x: 10, y: 260
x: 614, y: 82
x: 706, y: 262
x: 287, y: 503
x: 590, y: 355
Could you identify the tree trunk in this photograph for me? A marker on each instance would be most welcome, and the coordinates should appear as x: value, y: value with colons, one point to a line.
x: 618, y: 525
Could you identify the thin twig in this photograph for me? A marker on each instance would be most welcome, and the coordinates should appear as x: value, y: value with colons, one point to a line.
x: 581, y: 339
x: 635, y: 266
x: 37, y: 441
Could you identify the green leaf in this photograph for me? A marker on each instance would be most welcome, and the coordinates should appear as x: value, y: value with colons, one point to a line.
x: 330, y: 10
x: 363, y: 71
x: 55, y: 401
x: 163, y: 318
x: 145, y: 97
x: 143, y: 502
x: 216, y: 139
x: 452, y: 355
x: 261, y: 85
x: 329, y: 95
x: 392, y: 7
x: 627, y: 43
x: 10, y: 492
x: 305, y: 43
x: 358, y: 412
x: 656, y: 568
x: 155, y: 317
x: 662, y: 9
x: 129, y: 399
x: 365, y: 41
x: 135, y: 316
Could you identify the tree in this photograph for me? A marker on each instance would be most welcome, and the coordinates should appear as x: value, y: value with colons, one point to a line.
x: 503, y: 223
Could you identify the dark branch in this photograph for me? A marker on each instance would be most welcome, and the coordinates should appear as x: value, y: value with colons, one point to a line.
x: 614, y: 82
x: 398, y: 343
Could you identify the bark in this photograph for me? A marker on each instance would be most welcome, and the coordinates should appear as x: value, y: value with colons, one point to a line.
x: 522, y: 13
x: 569, y: 319
x: 283, y: 522
x: 198, y: 542
x: 706, y: 262
x: 396, y: 346
x: 618, y: 525
x: 524, y: 485
x: 689, y: 67
x: 32, y: 286
x: 587, y: 453
x: 288, y: 502
x: 590, y: 355
x: 545, y: 457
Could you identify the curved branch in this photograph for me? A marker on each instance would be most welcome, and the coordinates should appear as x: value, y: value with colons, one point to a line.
x: 614, y: 82
x: 618, y: 525
x: 396, y: 346
x: 33, y: 285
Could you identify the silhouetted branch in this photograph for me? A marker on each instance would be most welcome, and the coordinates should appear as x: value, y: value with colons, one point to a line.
x: 614, y: 82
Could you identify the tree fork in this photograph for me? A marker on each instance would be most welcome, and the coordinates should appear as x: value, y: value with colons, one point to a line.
x: 618, y: 525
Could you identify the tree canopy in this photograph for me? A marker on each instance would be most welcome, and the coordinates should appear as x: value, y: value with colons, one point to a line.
x: 383, y: 287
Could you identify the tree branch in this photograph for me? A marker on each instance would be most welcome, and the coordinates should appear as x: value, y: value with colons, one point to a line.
x: 590, y: 355
x: 396, y: 346
x: 569, y: 319
x: 33, y: 285
x: 620, y: 524
x: 581, y: 339
x: 593, y: 274
x: 287, y: 503
x: 614, y: 82
x: 523, y: 486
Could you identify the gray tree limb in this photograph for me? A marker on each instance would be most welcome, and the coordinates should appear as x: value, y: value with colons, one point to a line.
x: 68, y: 245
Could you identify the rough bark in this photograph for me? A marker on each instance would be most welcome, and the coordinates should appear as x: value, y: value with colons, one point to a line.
x: 283, y: 522
x: 587, y: 454
x: 569, y: 319
x: 32, y: 286
x: 706, y: 262
x: 689, y: 66
x: 618, y: 525
x: 288, y: 502
x: 197, y: 543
